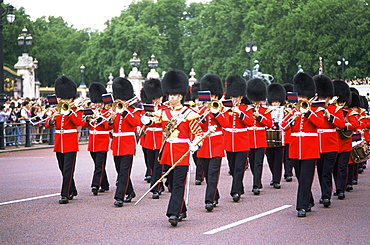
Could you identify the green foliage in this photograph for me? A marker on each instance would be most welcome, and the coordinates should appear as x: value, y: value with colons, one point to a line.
x: 209, y: 37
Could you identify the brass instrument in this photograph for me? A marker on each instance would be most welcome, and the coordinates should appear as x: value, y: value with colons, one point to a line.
x: 214, y: 104
x: 120, y: 106
x: 304, y: 105
x: 289, y: 105
x: 63, y: 108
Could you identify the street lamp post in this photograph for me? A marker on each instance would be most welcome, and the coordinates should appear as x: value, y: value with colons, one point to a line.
x: 10, y: 18
x: 24, y: 39
x: 251, y: 47
x: 342, y: 61
x: 135, y: 61
x: 82, y: 68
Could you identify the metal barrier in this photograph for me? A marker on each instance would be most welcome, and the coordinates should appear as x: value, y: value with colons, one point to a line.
x: 25, y: 134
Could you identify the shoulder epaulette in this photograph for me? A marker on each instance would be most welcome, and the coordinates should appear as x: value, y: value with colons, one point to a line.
x: 191, y: 115
x: 352, y: 113
x: 337, y: 108
x: 268, y: 110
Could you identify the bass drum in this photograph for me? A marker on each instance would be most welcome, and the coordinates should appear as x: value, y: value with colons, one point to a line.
x: 360, y: 152
x: 274, y: 137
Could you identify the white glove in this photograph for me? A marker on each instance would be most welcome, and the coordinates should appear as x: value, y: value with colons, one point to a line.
x: 193, y: 148
x: 214, y: 111
x: 145, y: 120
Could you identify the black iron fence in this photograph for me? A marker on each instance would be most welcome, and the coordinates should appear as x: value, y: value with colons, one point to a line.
x: 25, y: 134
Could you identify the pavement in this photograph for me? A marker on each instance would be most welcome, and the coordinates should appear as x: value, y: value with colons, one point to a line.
x: 30, y: 214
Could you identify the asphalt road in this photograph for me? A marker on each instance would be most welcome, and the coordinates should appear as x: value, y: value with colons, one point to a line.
x: 30, y: 214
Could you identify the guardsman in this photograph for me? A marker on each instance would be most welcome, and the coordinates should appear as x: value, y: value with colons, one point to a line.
x: 366, y: 122
x: 288, y: 163
x: 178, y: 123
x: 142, y: 133
x: 236, y: 137
x: 342, y: 91
x: 274, y: 152
x: 212, y: 150
x: 99, y: 139
x: 356, y: 138
x: 126, y: 120
x: 153, y: 137
x: 256, y: 94
x: 304, y: 146
x: 66, y: 120
x: 328, y: 136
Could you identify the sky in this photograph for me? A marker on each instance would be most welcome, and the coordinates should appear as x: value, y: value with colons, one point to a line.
x: 79, y: 13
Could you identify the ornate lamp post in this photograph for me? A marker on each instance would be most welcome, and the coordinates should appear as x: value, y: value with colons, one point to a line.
x: 82, y: 69
x: 251, y: 47
x: 152, y: 63
x: 10, y: 18
x: 24, y: 39
x: 135, y: 61
x: 342, y: 61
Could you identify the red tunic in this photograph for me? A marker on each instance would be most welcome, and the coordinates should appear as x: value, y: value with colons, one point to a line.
x: 178, y: 144
x: 99, y: 133
x: 236, y: 137
x: 124, y: 128
x: 345, y: 145
x: 213, y: 146
x: 66, y: 136
x: 304, y: 138
x: 328, y: 136
x: 153, y: 135
x: 257, y: 132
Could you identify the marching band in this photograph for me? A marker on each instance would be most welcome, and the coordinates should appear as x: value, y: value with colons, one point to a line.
x: 311, y: 123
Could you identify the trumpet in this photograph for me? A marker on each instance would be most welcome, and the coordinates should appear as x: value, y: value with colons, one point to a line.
x: 304, y: 105
x: 120, y: 106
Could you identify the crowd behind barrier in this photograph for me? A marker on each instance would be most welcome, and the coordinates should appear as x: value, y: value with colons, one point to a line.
x: 358, y: 81
x: 22, y: 123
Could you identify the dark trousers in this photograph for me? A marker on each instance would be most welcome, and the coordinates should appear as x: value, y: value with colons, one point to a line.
x: 211, y: 168
x: 305, y: 170
x: 256, y: 161
x: 237, y: 163
x: 288, y: 163
x: 157, y: 169
x: 325, y: 167
x: 148, y: 163
x: 123, y: 168
x: 275, y: 160
x: 199, y: 169
x: 176, y: 205
x: 340, y: 171
x: 67, y: 162
x: 350, y: 173
x: 100, y: 178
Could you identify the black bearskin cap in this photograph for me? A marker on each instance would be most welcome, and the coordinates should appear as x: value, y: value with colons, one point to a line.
x: 324, y: 86
x: 144, y: 97
x: 175, y: 82
x: 235, y: 86
x: 245, y: 101
x: 96, y: 90
x: 288, y: 87
x: 122, y: 89
x: 213, y: 83
x: 341, y: 89
x: 276, y: 92
x: 187, y: 96
x: 354, y: 90
x: 304, y: 85
x: 355, y: 100
x: 65, y: 88
x: 256, y: 90
x: 194, y: 91
x: 153, y: 89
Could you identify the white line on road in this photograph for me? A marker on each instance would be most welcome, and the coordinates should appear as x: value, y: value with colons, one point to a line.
x: 29, y: 199
x: 211, y: 232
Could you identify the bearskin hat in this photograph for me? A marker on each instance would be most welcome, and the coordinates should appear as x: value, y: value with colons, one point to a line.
x: 153, y: 89
x: 122, y: 89
x: 175, y: 82
x: 276, y: 92
x: 304, y: 85
x: 235, y: 86
x: 355, y: 102
x: 341, y: 89
x: 213, y: 83
x: 65, y: 88
x: 144, y: 97
x: 354, y: 90
x: 288, y: 87
x: 194, y: 91
x: 256, y: 90
x: 324, y: 86
x: 187, y: 96
x: 96, y: 90
x: 245, y: 101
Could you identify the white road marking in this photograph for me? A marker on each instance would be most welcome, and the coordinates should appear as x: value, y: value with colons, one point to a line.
x: 222, y: 228
x: 29, y: 199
